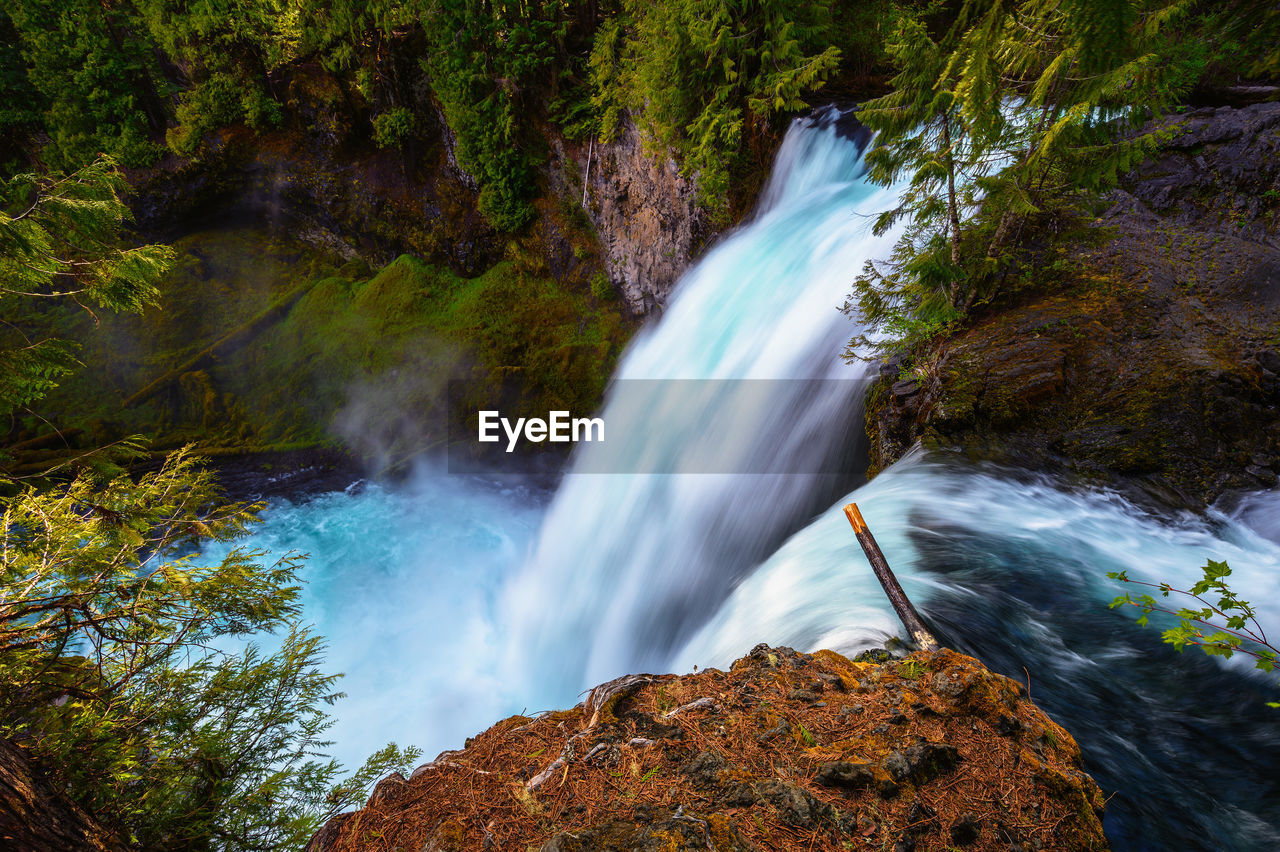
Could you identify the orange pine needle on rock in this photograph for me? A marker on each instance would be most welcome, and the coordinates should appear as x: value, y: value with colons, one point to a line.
x: 785, y: 751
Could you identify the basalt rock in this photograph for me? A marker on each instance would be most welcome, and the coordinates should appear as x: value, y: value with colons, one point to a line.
x: 954, y: 773
x: 323, y: 181
x: 1151, y: 364
x: 646, y: 214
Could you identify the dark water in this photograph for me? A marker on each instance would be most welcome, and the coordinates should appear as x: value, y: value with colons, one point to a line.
x: 1012, y: 569
x: 1187, y: 750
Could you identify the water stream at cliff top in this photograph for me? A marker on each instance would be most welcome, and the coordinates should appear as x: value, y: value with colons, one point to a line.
x: 455, y: 601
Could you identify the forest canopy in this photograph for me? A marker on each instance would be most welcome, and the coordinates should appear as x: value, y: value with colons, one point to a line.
x: 1013, y: 117
x: 137, y: 78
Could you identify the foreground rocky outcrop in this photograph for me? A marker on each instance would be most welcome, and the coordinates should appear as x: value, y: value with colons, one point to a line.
x: 1154, y: 360
x: 784, y: 751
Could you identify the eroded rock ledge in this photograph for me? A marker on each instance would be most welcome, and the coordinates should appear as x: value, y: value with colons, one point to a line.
x: 785, y: 751
x: 1153, y: 361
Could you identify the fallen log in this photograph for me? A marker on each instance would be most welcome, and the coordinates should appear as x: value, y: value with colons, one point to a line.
x: 907, y: 613
x: 222, y: 345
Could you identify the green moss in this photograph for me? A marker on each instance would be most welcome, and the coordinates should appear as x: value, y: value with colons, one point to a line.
x: 602, y: 288
x: 266, y: 343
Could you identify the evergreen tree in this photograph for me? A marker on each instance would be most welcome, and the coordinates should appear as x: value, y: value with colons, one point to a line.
x: 20, y: 103
x: 699, y: 78
x: 60, y: 239
x: 1023, y: 109
x: 95, y: 70
x: 922, y: 133
x: 225, y: 49
x: 481, y: 61
x: 110, y: 668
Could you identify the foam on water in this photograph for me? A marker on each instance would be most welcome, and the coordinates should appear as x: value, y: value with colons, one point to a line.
x: 1012, y: 569
x: 402, y: 584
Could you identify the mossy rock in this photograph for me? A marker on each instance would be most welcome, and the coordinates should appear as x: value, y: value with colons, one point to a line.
x: 692, y: 762
x: 265, y: 342
x: 1143, y: 358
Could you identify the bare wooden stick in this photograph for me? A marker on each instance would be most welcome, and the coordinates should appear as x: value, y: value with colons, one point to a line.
x: 892, y: 589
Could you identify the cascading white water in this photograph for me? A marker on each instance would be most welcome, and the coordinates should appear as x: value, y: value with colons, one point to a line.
x: 401, y: 583
x: 626, y: 566
x: 814, y: 591
x: 445, y: 619
x: 629, y: 563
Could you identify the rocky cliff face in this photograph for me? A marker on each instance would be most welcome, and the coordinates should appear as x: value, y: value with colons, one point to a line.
x: 645, y: 214
x: 1154, y: 361
x: 320, y: 178
x: 785, y: 751
x: 260, y: 346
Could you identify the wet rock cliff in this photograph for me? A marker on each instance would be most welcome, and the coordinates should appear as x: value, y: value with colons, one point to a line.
x: 1152, y: 360
x: 620, y: 208
x: 646, y: 215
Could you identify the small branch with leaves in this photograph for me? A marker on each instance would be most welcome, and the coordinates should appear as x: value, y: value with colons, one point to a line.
x: 1222, y: 629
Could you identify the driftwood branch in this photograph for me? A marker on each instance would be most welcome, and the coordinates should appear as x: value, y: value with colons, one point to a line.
x: 222, y: 345
x: 892, y: 589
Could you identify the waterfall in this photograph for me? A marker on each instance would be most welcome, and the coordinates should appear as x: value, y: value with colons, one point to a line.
x: 664, y: 572
x: 627, y: 566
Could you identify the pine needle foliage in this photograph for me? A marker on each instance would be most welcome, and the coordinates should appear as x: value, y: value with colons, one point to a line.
x: 96, y: 78
x: 114, y: 668
x: 482, y: 62
x: 227, y: 49
x: 700, y: 77
x: 60, y: 239
x: 1019, y: 110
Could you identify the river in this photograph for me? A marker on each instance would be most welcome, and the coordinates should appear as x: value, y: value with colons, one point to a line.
x: 452, y: 601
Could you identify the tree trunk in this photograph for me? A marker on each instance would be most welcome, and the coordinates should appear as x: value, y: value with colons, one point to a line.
x: 35, y: 816
x: 997, y: 241
x: 953, y: 213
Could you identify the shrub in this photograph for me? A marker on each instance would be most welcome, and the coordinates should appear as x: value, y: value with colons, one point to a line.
x: 1222, y: 629
x: 394, y: 128
x: 602, y: 288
